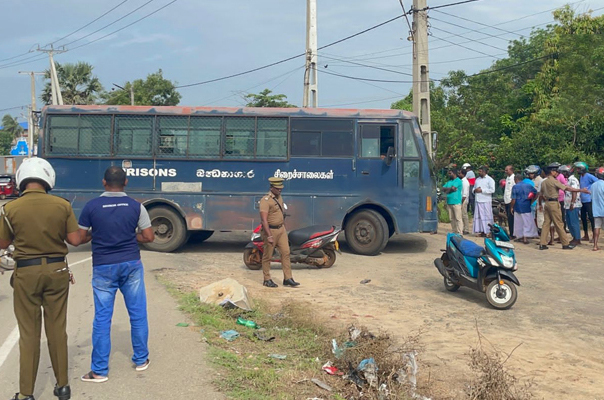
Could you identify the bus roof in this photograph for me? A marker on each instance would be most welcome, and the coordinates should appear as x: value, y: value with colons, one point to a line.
x: 259, y: 111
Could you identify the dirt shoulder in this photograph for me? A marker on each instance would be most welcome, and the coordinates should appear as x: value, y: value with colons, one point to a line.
x: 557, y: 320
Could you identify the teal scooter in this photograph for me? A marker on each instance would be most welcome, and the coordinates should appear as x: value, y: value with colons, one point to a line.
x: 489, y: 269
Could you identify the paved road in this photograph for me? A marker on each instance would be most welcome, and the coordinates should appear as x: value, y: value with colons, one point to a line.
x: 178, y: 368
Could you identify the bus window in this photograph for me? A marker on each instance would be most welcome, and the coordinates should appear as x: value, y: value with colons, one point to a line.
x: 204, y: 136
x: 272, y: 138
x: 337, y: 144
x: 173, y: 135
x: 410, y: 148
x: 133, y: 135
x: 95, y: 135
x: 306, y: 144
x: 375, y: 140
x: 63, y: 135
x: 240, y: 137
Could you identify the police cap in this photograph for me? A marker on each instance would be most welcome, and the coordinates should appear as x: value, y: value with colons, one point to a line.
x: 276, y: 182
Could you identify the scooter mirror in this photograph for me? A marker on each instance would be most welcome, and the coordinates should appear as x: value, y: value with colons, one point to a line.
x: 285, y: 206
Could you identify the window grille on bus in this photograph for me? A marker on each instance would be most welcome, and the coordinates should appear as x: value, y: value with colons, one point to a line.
x: 167, y: 136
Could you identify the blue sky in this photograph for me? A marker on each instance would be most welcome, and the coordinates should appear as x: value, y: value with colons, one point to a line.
x: 198, y: 40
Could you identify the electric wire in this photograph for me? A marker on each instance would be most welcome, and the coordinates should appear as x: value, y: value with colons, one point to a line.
x: 363, y: 79
x: 124, y: 27
x: 88, y: 24
x: 471, y: 30
x: 367, y: 66
x: 289, y: 58
x: 17, y: 56
x: 12, y: 108
x: 21, y: 62
x: 443, y: 6
x: 362, y: 102
x: 465, y: 47
x: 467, y: 38
x: 407, y: 18
x: 108, y: 25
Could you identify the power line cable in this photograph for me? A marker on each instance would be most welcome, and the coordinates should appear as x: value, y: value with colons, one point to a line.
x: 17, y: 56
x: 467, y: 38
x: 443, y: 6
x: 289, y: 58
x: 363, y: 79
x: 124, y: 27
x: 108, y: 25
x: 88, y: 24
x: 12, y: 108
x: 465, y: 47
x: 20, y: 62
x: 363, y: 102
x: 367, y: 66
x: 469, y: 29
x: 407, y: 18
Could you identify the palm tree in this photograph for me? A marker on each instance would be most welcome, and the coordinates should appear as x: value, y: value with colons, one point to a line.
x: 11, y: 125
x: 78, y: 85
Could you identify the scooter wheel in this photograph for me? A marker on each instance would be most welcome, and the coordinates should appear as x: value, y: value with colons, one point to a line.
x: 450, y: 286
x: 250, y: 259
x: 502, y: 297
x: 331, y: 258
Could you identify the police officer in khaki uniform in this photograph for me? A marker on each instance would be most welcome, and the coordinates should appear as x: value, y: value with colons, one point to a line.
x: 38, y: 224
x: 272, y: 215
x: 548, y: 202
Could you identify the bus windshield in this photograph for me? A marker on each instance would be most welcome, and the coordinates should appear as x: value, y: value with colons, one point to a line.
x: 200, y: 169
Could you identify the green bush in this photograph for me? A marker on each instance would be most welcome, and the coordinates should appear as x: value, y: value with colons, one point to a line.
x: 443, y: 214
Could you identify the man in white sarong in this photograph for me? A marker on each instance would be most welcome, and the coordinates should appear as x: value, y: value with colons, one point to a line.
x: 483, y: 191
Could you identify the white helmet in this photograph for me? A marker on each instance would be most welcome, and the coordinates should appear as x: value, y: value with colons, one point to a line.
x: 38, y: 169
x: 466, y: 165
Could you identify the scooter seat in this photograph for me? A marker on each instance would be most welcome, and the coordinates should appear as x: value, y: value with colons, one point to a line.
x: 300, y: 236
x: 467, y: 247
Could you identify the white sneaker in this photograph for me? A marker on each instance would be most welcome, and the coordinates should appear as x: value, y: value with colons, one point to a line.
x: 144, y: 366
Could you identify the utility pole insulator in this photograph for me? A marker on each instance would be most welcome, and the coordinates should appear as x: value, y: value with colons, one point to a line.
x: 421, y: 77
x: 311, y: 89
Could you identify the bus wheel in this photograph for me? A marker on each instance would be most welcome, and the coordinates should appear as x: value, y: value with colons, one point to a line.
x: 169, y: 228
x: 367, y: 232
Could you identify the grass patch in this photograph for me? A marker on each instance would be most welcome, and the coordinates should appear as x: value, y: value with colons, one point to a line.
x: 246, y: 371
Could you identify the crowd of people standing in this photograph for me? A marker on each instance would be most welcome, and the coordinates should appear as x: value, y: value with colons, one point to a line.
x: 539, y: 203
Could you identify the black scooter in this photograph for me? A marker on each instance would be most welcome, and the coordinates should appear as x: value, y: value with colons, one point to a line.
x: 314, y: 245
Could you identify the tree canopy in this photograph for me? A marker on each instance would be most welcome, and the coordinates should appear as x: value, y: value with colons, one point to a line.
x: 266, y: 99
x: 78, y: 84
x: 544, y: 102
x: 11, y: 126
x: 155, y: 90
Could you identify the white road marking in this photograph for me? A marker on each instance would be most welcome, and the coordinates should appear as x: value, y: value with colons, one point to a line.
x: 80, y: 262
x: 8, y: 345
x: 13, y: 338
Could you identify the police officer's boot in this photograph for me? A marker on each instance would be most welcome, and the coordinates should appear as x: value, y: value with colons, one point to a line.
x: 24, y: 398
x: 63, y: 392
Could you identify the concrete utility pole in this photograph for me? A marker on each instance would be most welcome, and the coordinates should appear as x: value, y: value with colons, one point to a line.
x: 311, y: 89
x: 421, y: 78
x: 31, y: 124
x: 57, y: 97
x: 124, y: 89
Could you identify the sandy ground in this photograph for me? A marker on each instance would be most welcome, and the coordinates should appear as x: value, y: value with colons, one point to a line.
x: 557, y: 320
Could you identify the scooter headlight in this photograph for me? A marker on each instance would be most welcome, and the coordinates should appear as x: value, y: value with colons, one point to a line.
x: 508, y: 262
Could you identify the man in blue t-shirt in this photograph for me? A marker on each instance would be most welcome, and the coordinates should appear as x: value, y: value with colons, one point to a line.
x: 585, y: 181
x: 111, y: 222
x: 597, y: 200
x: 523, y: 194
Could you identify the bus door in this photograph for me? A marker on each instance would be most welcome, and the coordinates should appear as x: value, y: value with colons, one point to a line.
x: 410, y: 182
x: 376, y: 158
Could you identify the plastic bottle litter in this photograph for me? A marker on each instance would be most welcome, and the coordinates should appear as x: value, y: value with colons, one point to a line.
x: 229, y: 335
x: 278, y: 356
x: 182, y: 324
x: 337, y: 351
x: 247, y: 322
x: 321, y: 384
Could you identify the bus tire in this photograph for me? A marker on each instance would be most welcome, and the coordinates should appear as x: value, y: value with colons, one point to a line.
x: 367, y: 232
x: 169, y: 228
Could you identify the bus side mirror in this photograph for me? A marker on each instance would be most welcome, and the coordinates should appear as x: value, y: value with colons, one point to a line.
x: 389, y: 156
x: 434, y: 140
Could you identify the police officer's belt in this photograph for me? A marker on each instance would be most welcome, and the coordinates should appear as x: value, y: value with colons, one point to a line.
x: 275, y: 226
x: 38, y: 261
x: 553, y: 199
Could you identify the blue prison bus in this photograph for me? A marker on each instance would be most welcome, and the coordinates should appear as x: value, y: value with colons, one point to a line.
x: 203, y: 169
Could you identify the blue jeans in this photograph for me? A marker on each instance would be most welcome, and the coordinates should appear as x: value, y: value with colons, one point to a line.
x: 572, y: 221
x: 128, y: 277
